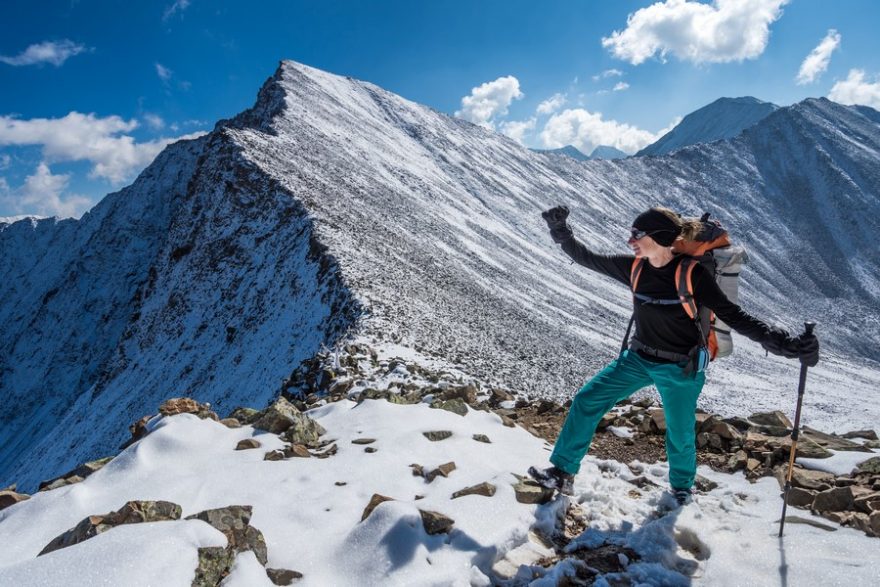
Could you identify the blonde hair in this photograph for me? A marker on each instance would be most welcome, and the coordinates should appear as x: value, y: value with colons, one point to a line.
x: 689, y: 228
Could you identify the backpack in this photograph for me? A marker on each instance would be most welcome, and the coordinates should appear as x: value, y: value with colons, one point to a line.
x: 712, y: 249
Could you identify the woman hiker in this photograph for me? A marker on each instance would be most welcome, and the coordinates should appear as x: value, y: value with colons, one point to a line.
x: 663, y: 350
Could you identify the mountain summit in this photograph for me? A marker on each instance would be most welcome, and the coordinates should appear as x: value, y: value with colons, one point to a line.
x: 722, y: 119
x: 334, y: 210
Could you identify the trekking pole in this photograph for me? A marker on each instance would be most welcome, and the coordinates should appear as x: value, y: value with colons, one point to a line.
x: 808, y: 326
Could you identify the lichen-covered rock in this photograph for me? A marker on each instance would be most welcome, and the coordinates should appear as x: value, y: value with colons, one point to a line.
x: 214, y: 565
x: 133, y: 512
x: 278, y: 417
x: 456, y: 406
x: 870, y: 466
x: 838, y: 499
x: 179, y: 405
x: 234, y: 522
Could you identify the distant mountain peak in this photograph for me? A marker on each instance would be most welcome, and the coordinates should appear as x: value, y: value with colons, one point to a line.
x: 722, y: 119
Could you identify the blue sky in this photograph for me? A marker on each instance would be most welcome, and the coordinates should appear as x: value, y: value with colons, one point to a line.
x: 92, y: 90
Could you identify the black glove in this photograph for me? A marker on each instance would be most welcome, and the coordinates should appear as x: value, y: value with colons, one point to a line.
x: 809, y: 349
x: 555, y: 218
x: 779, y: 342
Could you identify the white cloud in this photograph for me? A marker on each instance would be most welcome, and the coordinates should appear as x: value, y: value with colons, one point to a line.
x: 726, y: 30
x: 607, y: 73
x: 84, y: 137
x: 518, y: 129
x: 551, y: 104
x: 154, y: 121
x: 54, y: 52
x: 163, y: 72
x: 178, y: 6
x: 489, y: 101
x: 817, y: 61
x: 43, y: 194
x: 620, y: 86
x: 587, y: 130
x: 856, y: 90
x: 5, y: 160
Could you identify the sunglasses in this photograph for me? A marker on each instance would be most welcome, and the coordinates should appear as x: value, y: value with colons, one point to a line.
x: 636, y: 234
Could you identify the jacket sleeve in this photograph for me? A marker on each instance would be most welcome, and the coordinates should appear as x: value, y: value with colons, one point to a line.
x: 707, y: 292
x: 615, y: 266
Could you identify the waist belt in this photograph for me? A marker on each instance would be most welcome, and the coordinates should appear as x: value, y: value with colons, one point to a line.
x: 635, y: 345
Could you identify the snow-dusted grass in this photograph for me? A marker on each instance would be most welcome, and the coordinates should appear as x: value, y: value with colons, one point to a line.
x: 311, y: 521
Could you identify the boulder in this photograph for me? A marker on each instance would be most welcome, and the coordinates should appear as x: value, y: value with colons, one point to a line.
x: 234, y: 522
x: 868, y: 502
x: 10, y: 497
x: 837, y: 499
x: 775, y: 418
x: 830, y: 441
x: 374, y: 503
x: 725, y: 430
x: 179, y: 405
x: 485, y: 489
x: 801, y: 498
x: 436, y: 523
x: 133, y: 512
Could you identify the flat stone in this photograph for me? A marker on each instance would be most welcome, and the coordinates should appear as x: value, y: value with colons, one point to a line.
x: 482, y: 438
x: 374, y: 503
x: 530, y: 492
x: 437, y: 435
x: 810, y: 479
x: 485, y: 489
x: 868, y: 503
x: 775, y: 418
x: 247, y: 444
x: 436, y: 523
x: 704, y: 485
x: 866, y: 434
x: 363, y: 441
x: 283, y: 576
x: 297, y: 451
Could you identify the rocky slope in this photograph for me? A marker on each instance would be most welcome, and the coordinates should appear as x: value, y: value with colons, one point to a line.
x: 334, y: 211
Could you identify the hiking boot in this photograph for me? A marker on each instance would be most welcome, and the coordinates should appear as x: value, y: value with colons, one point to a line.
x: 682, y: 496
x: 554, y: 478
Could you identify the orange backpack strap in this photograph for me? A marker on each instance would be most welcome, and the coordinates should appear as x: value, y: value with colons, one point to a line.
x: 684, y: 277
x: 635, y: 272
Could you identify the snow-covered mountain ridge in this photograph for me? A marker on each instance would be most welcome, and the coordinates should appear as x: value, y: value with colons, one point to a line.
x: 335, y: 209
x: 722, y: 119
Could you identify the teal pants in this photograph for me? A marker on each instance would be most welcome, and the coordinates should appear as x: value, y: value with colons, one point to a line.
x: 620, y: 379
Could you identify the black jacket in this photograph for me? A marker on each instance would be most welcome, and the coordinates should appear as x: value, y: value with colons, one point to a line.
x: 668, y: 327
